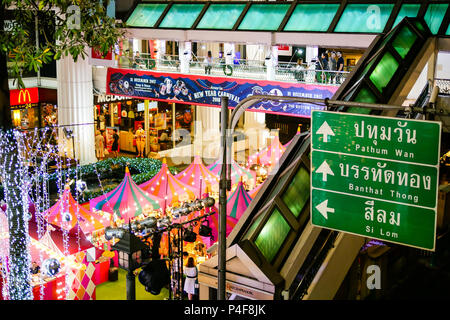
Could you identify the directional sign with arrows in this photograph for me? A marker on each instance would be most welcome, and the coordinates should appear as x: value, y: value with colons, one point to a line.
x: 375, y: 176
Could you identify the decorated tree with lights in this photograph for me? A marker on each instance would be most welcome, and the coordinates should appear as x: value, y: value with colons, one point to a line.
x: 68, y: 27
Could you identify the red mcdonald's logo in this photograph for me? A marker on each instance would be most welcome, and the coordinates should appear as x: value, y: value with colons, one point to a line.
x: 23, y: 96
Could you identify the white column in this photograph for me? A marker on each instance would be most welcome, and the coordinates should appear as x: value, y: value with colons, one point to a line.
x: 208, y: 121
x: 161, y: 47
x: 255, y: 130
x: 75, y: 105
x: 184, y: 54
x: 311, y: 53
x: 229, y: 52
x: 271, y: 62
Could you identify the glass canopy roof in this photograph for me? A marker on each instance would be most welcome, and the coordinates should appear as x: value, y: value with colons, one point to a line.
x: 318, y: 16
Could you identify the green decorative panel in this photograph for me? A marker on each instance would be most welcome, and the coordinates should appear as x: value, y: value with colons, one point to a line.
x: 384, y: 71
x: 254, y: 226
x: 404, y: 41
x: 264, y: 17
x: 364, y: 95
x: 298, y: 191
x: 434, y: 16
x: 146, y: 15
x: 311, y: 17
x: 221, y: 16
x: 367, y: 18
x: 407, y: 10
x: 181, y: 16
x: 272, y: 235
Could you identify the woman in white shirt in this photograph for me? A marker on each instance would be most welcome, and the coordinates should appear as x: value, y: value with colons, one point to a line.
x: 191, y: 274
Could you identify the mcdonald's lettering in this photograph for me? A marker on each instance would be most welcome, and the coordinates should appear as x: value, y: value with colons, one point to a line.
x: 23, y: 96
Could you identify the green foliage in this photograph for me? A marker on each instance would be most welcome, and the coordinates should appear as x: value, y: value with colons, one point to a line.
x: 67, y: 32
x: 141, y: 170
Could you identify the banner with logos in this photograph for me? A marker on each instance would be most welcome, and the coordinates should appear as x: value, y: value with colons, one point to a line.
x: 207, y: 91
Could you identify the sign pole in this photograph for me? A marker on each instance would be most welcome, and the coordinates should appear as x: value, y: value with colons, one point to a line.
x: 221, y: 294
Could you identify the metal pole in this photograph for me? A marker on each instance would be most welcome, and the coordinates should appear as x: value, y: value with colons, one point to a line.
x: 131, y: 285
x: 223, y: 202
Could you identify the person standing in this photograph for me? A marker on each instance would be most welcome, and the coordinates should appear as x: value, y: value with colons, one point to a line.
x: 208, y: 63
x: 140, y: 141
x: 99, y: 145
x: 191, y: 278
x: 333, y: 67
x: 340, y: 66
x: 115, y: 144
x: 299, y: 71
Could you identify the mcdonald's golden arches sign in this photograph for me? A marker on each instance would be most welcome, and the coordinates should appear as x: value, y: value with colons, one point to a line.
x: 23, y: 96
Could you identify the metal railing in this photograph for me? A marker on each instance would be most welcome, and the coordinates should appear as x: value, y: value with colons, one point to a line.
x: 250, y: 69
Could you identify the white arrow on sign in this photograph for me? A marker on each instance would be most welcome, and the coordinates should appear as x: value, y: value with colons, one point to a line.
x: 325, y: 130
x: 323, y: 209
x: 325, y: 169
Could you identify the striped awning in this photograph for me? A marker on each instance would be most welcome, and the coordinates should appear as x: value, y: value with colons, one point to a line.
x: 66, y: 213
x: 199, y: 177
x: 165, y: 186
x: 238, y: 201
x: 127, y: 200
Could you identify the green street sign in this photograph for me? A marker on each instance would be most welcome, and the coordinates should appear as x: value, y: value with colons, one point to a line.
x: 379, y: 179
x: 390, y: 165
x: 407, y: 140
x: 408, y: 225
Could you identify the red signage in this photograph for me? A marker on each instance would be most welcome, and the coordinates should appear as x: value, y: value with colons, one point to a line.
x: 23, y: 96
x: 97, y: 54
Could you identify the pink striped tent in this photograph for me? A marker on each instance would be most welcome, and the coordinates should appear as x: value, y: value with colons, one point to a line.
x: 268, y: 156
x: 238, y: 201
x: 66, y: 213
x: 127, y: 200
x: 237, y: 172
x: 165, y: 186
x: 198, y: 177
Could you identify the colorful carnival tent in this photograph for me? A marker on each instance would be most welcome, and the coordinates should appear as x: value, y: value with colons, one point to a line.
x: 268, y: 156
x: 165, y: 186
x: 199, y: 177
x: 127, y: 200
x: 237, y: 172
x: 238, y: 201
x: 66, y: 213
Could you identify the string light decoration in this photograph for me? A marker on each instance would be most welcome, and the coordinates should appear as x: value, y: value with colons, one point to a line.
x: 25, y: 157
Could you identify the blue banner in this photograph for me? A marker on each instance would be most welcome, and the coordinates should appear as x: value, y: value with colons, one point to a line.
x: 207, y: 91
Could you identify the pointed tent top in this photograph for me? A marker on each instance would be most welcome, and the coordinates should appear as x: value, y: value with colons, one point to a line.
x: 299, y: 128
x: 127, y: 170
x: 164, y: 161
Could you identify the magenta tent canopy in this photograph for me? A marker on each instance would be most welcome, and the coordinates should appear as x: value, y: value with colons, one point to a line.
x: 198, y: 177
x: 66, y: 213
x: 238, y: 201
x: 167, y: 187
x: 127, y: 200
x: 237, y: 172
x: 213, y: 221
x: 269, y: 156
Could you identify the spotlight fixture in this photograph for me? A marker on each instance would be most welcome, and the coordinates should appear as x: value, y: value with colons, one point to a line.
x: 154, y: 276
x: 205, y: 230
x: 111, y: 233
x: 189, y: 235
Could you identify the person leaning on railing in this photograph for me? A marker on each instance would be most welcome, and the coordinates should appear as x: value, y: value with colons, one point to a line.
x: 299, y: 72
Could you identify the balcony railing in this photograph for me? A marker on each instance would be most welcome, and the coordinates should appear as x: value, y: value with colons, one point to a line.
x: 250, y: 69
x: 444, y: 85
